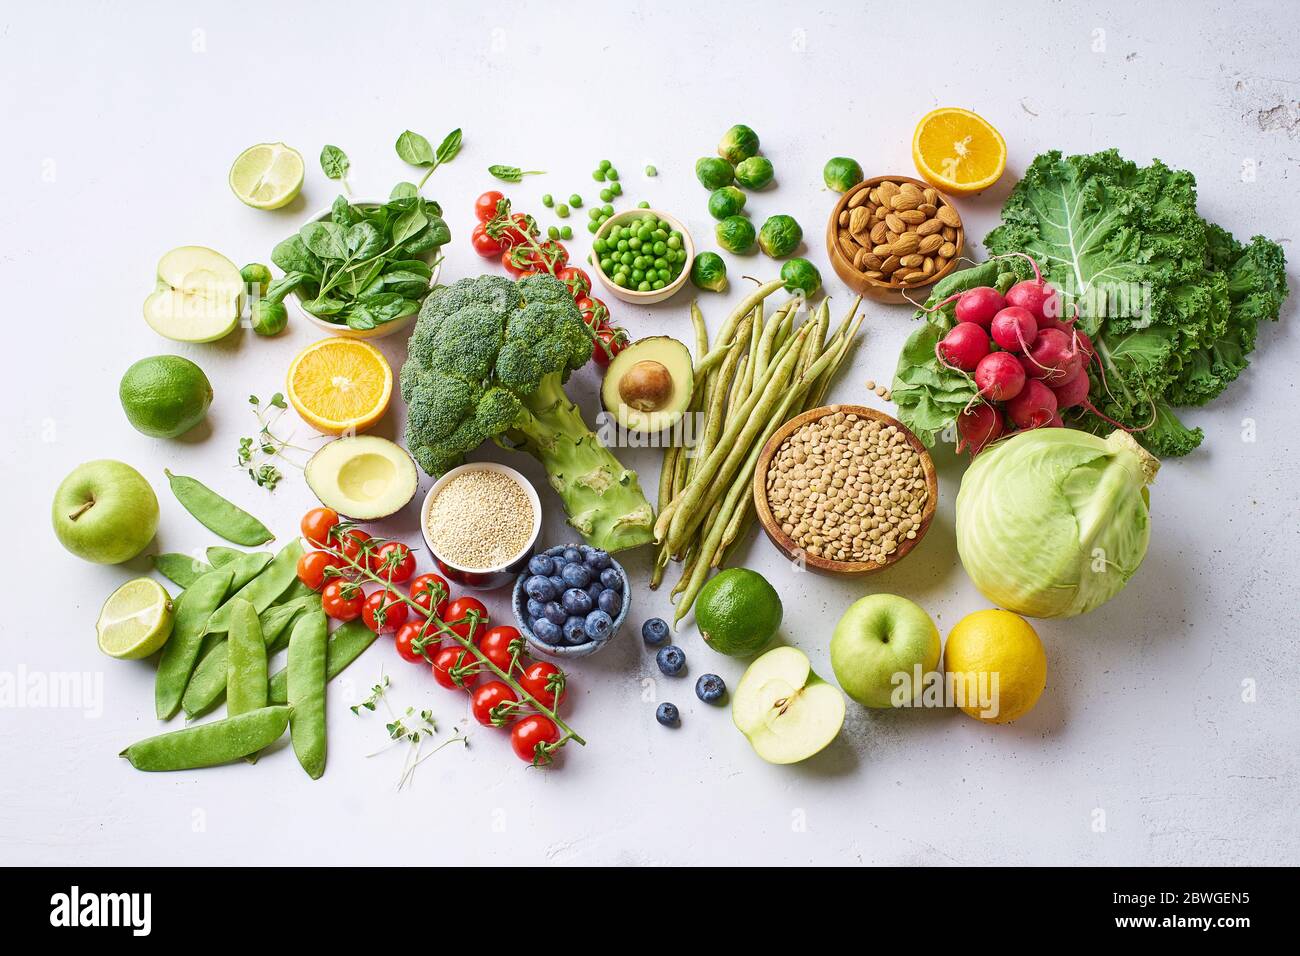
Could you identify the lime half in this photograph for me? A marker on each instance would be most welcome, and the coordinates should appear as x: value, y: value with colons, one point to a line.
x: 135, y: 621
x: 267, y: 176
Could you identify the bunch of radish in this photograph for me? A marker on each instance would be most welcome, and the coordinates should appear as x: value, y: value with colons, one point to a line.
x: 1028, y: 364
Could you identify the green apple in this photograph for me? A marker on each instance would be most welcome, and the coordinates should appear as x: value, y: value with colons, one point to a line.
x: 105, y: 512
x: 879, y: 636
x: 199, y: 296
x: 787, y: 712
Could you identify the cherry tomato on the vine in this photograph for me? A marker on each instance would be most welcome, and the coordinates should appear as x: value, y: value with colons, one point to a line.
x: 530, y: 734
x: 490, y: 695
x: 508, y: 263
x: 495, y: 645
x: 427, y: 587
x: 312, y: 567
x: 485, y: 245
x: 394, y: 562
x: 384, y: 612
x: 594, y: 311
x: 520, y: 229
x: 551, y: 258
x: 351, y: 543
x: 485, y: 207
x: 446, y: 659
x: 542, y: 679
x: 317, y: 524
x: 459, y: 609
x: 405, y: 640
x: 342, y: 600
x: 609, y: 342
x: 578, y: 282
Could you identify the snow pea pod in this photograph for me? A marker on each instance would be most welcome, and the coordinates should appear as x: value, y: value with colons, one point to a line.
x: 207, y: 745
x: 263, y: 590
x: 345, y: 645
x: 193, y: 608
x: 246, y: 566
x: 307, y: 669
x: 246, y: 661
x: 180, y: 569
x: 216, y: 513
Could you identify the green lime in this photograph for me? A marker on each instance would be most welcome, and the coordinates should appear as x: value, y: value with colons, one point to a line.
x: 267, y: 176
x: 738, y: 612
x: 165, y: 395
x: 135, y: 621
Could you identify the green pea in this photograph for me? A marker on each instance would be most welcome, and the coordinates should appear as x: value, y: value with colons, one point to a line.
x: 575, y: 201
x: 593, y: 227
x: 606, y: 195
x: 562, y: 211
x: 606, y: 265
x: 566, y: 232
x: 607, y: 209
x: 181, y: 569
x: 306, y: 691
x: 665, y: 275
x: 181, y: 652
x: 207, y: 745
x: 643, y: 204
x: 553, y: 232
x: 345, y: 645
x: 675, y: 241
x: 651, y: 171
x: 658, y: 284
x: 611, y: 174
x: 616, y: 188
x: 593, y: 213
x: 627, y: 258
x: 547, y: 200
x: 603, y: 165
x: 599, y: 247
x: 643, y: 286
x: 621, y: 245
x: 598, y: 175
x: 216, y: 513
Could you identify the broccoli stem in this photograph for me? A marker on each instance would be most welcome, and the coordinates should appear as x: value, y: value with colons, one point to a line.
x: 602, y: 498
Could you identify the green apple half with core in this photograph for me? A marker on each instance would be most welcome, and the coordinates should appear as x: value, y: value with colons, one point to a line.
x: 787, y: 712
x: 105, y: 512
x: 199, y: 296
x: 879, y: 636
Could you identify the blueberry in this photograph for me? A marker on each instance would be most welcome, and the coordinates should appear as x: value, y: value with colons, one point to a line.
x: 594, y: 591
x: 541, y: 564
x: 654, y: 631
x: 576, y: 575
x: 611, y: 602
x: 671, y: 660
x: 547, y: 632
x: 540, y: 589
x: 554, y: 613
x: 599, y: 625
x: 576, y: 601
x: 557, y: 582
x: 710, y: 688
x: 554, y: 552
x: 572, y: 555
x: 575, y: 630
x: 668, y: 714
x: 612, y: 579
x: 535, y: 609
x: 597, y: 560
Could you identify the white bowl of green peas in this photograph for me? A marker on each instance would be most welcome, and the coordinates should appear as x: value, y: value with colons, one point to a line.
x: 610, y: 261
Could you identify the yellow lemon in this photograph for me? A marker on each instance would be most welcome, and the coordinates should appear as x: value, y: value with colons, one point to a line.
x: 958, y: 151
x: 340, y: 385
x: 996, y: 655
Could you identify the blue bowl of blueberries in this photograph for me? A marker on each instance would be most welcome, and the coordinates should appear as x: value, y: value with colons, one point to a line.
x: 571, y: 600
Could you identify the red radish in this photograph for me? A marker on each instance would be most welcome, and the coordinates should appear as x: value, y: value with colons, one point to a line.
x: 1057, y: 421
x: 1072, y: 330
x: 1039, y: 297
x: 963, y: 346
x: 1054, y: 357
x: 998, y: 376
x: 977, y: 426
x: 1073, y: 391
x: 979, y: 305
x: 1014, y: 329
x: 1033, y: 406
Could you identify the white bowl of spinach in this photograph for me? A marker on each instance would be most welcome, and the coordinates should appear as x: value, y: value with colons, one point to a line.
x: 361, y: 268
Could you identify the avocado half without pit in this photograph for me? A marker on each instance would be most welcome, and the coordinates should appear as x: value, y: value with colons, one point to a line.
x: 364, y: 477
x: 648, y: 385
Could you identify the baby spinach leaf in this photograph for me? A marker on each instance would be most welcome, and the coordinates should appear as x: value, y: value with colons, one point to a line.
x: 364, y: 240
x: 359, y: 317
x: 513, y: 174
x: 414, y: 149
x: 343, y: 212
x: 277, y: 290
x: 325, y: 240
x: 324, y: 306
x: 416, y: 267
x: 334, y: 162
x: 449, y: 147
x: 407, y: 225
x: 404, y: 191
x: 292, y: 255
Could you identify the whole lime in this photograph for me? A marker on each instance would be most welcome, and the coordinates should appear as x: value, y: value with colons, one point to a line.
x: 165, y: 395
x: 738, y: 612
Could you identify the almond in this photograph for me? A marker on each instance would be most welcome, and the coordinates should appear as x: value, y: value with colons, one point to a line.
x: 890, y: 264
x: 906, y: 244
x: 844, y: 218
x: 911, y: 262
x: 859, y: 221
x: 928, y: 208
x: 886, y: 191
x: 931, y: 197
x: 857, y: 199
x: 878, y: 233
x: 857, y: 259
x: 871, y: 260
x: 930, y: 245
x: 848, y: 246
x: 928, y: 228
x: 948, y: 216
x: 947, y: 250
x: 895, y: 223
x: 913, y: 217
x: 884, y: 249
x: 875, y: 274
x: 950, y: 233
x: 912, y: 277
x: 904, y: 201
x: 928, y: 266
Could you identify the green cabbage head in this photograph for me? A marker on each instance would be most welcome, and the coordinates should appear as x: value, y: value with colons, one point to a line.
x: 1053, y: 522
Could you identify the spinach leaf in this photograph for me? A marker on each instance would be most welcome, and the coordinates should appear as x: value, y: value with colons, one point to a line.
x: 277, y: 290
x: 387, y: 306
x: 364, y: 240
x: 416, y: 267
x: 324, y: 306
x: 414, y: 149
x: 292, y: 255
x: 407, y: 225
x: 334, y: 162
x: 343, y: 212
x: 513, y: 174
x: 449, y: 147
x: 404, y: 191
x: 325, y: 240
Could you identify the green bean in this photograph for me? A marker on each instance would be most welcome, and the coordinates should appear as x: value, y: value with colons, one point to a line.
x: 739, y: 390
x: 701, y: 331
x: 261, y: 591
x: 207, y: 745
x: 746, y: 306
x: 823, y: 382
x: 715, y: 413
x: 306, y: 691
x: 193, y: 608
x: 246, y: 672
x: 181, y: 569
x: 216, y: 513
x: 345, y: 645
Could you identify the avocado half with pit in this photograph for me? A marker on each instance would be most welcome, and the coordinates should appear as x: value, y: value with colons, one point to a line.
x: 648, y: 385
x: 364, y: 477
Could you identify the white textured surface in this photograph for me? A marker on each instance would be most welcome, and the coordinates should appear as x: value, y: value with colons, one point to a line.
x: 120, y: 127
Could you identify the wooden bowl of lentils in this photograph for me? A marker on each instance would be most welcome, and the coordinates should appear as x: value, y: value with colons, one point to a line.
x: 845, y: 489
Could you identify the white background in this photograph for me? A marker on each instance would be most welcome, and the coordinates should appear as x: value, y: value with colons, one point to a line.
x: 120, y: 123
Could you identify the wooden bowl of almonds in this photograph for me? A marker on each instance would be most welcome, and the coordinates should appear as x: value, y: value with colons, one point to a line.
x: 845, y: 490
x: 892, y: 235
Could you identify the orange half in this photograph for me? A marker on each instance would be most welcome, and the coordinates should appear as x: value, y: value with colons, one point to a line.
x: 340, y: 385
x: 958, y: 151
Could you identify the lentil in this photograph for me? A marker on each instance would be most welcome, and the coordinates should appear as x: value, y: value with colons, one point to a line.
x: 480, y: 519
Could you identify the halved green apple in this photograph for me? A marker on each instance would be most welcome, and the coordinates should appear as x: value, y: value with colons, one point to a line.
x: 787, y: 711
x: 199, y: 296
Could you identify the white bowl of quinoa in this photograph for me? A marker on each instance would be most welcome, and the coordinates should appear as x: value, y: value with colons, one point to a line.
x: 481, y: 522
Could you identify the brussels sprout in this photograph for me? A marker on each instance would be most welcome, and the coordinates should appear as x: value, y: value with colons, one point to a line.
x: 755, y: 172
x: 779, y: 236
x: 727, y: 201
x: 256, y: 275
x: 800, y: 275
x: 714, y: 173
x: 842, y: 173
x: 735, y: 234
x: 739, y: 143
x: 709, y: 272
x: 269, y: 318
